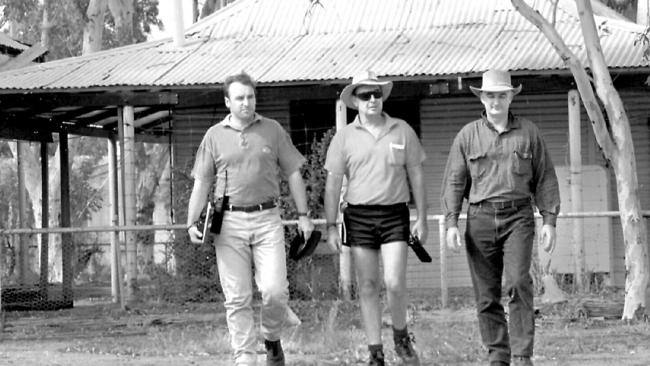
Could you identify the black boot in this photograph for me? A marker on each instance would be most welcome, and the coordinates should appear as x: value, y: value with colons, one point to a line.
x: 274, y: 353
x: 376, y: 355
x: 404, y: 348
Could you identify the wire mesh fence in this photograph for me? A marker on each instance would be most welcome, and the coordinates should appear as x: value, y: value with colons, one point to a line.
x: 169, y: 268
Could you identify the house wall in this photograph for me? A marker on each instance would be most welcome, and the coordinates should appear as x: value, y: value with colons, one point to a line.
x: 441, y: 118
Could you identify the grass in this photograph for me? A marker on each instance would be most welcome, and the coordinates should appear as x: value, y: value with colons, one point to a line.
x: 331, y: 333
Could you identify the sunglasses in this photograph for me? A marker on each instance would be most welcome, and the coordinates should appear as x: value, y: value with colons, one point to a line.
x: 365, y: 96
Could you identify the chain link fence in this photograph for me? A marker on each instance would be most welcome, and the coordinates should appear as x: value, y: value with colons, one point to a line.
x: 79, y: 265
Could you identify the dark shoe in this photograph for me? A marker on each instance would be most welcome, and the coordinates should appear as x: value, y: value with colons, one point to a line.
x: 521, y: 361
x: 376, y: 359
x: 499, y: 363
x: 274, y: 353
x: 406, y: 355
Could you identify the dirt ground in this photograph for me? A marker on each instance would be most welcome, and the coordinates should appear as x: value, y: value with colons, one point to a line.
x: 104, y: 334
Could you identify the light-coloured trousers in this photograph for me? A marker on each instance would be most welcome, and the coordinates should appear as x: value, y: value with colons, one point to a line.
x: 253, y: 243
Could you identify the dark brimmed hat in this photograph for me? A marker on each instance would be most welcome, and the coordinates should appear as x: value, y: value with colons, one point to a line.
x: 495, y: 81
x: 300, y: 248
x: 365, y: 78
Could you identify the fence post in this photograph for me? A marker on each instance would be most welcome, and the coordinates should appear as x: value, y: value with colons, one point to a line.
x: 116, y: 258
x: 575, y: 182
x: 67, y: 251
x: 126, y: 131
x: 345, y: 258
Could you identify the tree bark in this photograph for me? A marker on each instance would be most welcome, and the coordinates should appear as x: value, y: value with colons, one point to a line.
x: 624, y: 164
x: 123, y: 11
x: 617, y: 147
x: 46, y: 24
x: 149, y: 175
x: 31, y: 160
x: 209, y: 7
x: 94, y: 27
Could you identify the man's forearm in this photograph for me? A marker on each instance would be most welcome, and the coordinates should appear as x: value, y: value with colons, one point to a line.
x: 332, y: 197
x: 416, y: 177
x: 199, y: 195
x: 298, y: 191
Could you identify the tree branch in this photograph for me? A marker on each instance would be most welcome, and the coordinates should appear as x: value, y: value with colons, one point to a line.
x: 602, y: 79
x: 579, y: 74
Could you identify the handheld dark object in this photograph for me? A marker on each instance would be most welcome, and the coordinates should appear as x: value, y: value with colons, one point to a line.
x: 419, y: 250
x: 300, y: 247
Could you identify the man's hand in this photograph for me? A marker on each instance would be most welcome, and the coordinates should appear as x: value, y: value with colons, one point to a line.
x: 420, y: 230
x: 196, y: 236
x: 305, y: 226
x: 334, y: 238
x: 453, y: 239
x: 548, y: 238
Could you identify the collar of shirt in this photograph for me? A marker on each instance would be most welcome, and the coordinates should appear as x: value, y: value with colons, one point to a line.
x: 513, y: 123
x: 227, y: 122
x: 390, y: 122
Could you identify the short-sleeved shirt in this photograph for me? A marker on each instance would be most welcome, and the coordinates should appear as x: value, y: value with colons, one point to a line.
x: 248, y: 164
x: 375, y: 167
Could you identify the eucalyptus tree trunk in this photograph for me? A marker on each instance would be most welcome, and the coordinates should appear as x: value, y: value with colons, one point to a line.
x: 94, y: 27
x: 46, y: 24
x: 123, y: 12
x: 617, y: 145
x: 152, y: 205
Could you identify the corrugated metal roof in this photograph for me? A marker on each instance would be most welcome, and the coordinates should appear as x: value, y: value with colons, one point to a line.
x: 12, y: 44
x: 312, y: 41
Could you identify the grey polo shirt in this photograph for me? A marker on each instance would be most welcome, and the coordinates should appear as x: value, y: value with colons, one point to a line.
x: 248, y: 164
x: 375, y: 168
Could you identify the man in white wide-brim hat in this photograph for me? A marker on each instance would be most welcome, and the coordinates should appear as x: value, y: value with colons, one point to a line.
x: 500, y: 163
x: 379, y: 155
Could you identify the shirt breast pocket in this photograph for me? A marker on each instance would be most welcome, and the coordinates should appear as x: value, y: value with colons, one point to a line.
x: 522, y: 162
x: 396, y: 154
x: 477, y: 165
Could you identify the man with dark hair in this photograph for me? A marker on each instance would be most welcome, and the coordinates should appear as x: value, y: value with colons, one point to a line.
x: 500, y: 163
x: 248, y: 154
x: 379, y: 155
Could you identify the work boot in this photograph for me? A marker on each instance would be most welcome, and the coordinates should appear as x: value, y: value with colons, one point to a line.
x: 376, y: 358
x: 274, y: 353
x: 521, y: 361
x: 406, y: 355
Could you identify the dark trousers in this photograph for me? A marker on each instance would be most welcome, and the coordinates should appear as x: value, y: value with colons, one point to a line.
x: 498, y: 242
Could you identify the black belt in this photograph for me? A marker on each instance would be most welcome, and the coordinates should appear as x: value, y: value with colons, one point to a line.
x: 393, y: 206
x: 252, y: 208
x: 500, y: 205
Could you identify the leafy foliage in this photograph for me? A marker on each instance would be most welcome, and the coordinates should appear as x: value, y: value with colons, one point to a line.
x: 303, y: 273
x: 67, y: 19
x: 621, y: 6
x: 8, y: 193
x: 84, y: 198
x: 314, y: 176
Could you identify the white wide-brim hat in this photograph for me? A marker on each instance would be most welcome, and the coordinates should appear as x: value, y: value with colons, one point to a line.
x: 365, y: 78
x: 495, y: 81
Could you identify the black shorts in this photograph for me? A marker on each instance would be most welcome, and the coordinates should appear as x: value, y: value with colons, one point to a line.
x: 373, y: 225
